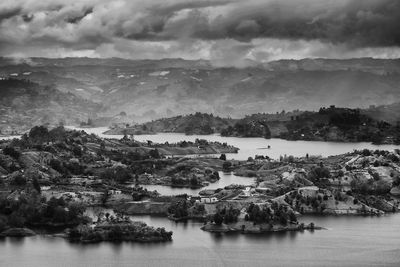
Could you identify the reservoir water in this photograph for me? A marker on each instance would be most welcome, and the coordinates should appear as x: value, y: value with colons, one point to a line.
x: 348, y: 241
x: 225, y: 180
x: 249, y: 147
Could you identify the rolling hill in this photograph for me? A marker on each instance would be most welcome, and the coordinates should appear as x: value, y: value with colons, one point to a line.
x: 24, y: 104
x: 152, y: 89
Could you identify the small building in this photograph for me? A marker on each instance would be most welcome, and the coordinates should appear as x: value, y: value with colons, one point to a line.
x: 208, y: 200
x: 115, y: 192
x: 45, y: 188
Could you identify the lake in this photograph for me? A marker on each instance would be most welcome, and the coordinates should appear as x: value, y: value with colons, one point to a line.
x: 249, y: 147
x: 349, y: 241
x: 225, y: 180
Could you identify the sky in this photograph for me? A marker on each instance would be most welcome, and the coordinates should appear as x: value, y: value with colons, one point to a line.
x: 227, y: 32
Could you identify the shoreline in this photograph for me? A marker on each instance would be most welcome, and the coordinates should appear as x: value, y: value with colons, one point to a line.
x: 7, y: 137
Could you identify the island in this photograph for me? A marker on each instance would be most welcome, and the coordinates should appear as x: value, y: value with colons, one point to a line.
x: 375, y: 124
x: 52, y: 177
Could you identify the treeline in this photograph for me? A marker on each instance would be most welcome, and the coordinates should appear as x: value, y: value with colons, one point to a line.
x: 328, y: 124
x: 32, y: 210
x: 197, y: 123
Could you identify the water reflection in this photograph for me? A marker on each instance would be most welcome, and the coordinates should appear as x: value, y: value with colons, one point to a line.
x: 17, y: 241
x: 352, y: 241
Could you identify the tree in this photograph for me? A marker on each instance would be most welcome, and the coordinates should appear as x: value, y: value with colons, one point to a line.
x: 60, y: 215
x: 36, y: 185
x: 122, y: 175
x: 19, y: 180
x: 226, y: 166
x: 231, y: 215
x: 194, y: 181
x: 218, y: 219
x: 77, y: 151
x: 58, y: 166
x: 10, y: 151
x: 57, y: 134
x: 222, y: 157
x: 3, y: 224
x: 16, y: 220
x: 105, y: 197
x: 75, y: 209
x: 155, y: 154
x: 267, y: 132
x: 292, y: 217
x: 283, y: 218
x: 39, y: 134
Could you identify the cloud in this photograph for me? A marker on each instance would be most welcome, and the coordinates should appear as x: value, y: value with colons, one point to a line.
x: 358, y: 23
x: 9, y: 12
x: 226, y: 31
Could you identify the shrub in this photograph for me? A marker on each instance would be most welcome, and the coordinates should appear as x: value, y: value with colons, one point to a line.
x: 226, y: 165
x: 19, y: 180
x: 218, y: 219
x: 57, y: 165
x: 15, y: 220
x: 155, y: 154
x: 10, y: 151
x: 366, y: 153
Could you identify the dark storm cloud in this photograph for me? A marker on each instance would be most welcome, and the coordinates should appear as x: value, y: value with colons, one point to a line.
x: 10, y: 12
x: 78, y: 17
x: 200, y: 27
x: 356, y: 22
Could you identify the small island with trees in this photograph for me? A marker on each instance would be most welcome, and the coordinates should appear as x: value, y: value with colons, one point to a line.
x: 52, y: 177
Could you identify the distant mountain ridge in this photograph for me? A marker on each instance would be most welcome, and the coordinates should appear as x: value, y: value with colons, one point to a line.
x: 377, y: 66
x: 373, y: 65
x: 152, y: 89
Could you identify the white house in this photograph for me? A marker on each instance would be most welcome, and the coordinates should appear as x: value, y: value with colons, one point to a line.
x: 208, y: 200
x: 115, y: 192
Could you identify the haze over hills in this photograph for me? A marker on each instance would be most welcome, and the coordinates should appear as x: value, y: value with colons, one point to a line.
x: 24, y: 104
x: 151, y: 89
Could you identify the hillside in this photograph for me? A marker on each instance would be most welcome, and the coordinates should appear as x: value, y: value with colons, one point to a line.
x: 198, y: 123
x: 328, y: 124
x: 389, y: 113
x: 153, y: 89
x: 24, y: 104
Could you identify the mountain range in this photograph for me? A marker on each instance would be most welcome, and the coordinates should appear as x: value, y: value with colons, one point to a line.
x: 152, y: 89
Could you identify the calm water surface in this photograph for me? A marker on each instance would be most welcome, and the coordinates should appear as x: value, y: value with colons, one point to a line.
x: 225, y: 180
x: 349, y: 241
x: 249, y: 147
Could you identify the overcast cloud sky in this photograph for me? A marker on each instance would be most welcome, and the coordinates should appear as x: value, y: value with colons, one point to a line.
x: 228, y: 32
